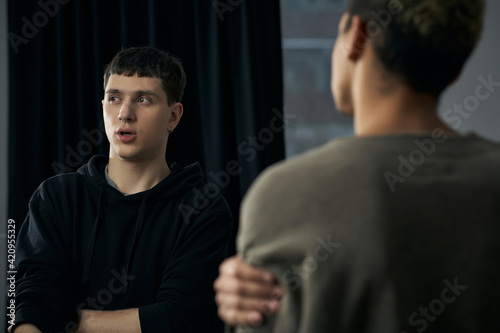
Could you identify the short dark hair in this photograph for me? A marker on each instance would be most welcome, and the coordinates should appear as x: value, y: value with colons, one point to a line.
x: 427, y: 42
x: 150, y: 62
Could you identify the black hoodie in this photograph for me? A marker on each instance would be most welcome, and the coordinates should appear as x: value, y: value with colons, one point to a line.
x: 84, y: 245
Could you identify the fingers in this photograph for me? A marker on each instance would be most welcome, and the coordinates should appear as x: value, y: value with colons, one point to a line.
x: 241, y: 287
x: 263, y: 305
x: 235, y: 266
x: 237, y: 310
x: 240, y: 278
x: 234, y: 317
x: 245, y: 295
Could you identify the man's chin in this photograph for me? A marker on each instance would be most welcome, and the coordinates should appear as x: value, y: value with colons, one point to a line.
x: 125, y: 156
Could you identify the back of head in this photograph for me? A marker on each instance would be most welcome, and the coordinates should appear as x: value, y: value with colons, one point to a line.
x: 424, y: 43
x: 150, y: 62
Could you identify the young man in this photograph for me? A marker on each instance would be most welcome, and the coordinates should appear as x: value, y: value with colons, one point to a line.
x: 108, y: 249
x: 394, y: 230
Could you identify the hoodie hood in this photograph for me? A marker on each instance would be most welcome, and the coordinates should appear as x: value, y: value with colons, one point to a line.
x: 178, y: 182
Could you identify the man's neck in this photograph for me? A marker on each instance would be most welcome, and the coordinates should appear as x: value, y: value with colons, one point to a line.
x: 136, y: 176
x: 381, y: 108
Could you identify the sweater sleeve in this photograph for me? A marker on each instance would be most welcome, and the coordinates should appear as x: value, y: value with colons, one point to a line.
x: 186, y: 298
x: 44, y: 295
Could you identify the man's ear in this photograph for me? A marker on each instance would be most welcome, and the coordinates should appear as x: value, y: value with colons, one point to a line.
x: 176, y: 111
x: 358, y: 38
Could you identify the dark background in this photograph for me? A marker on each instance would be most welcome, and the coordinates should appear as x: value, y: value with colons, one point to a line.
x: 231, y: 52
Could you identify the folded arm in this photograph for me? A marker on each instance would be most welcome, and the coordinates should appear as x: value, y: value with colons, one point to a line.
x: 121, y: 321
x: 25, y: 328
x: 186, y: 296
x: 45, y: 299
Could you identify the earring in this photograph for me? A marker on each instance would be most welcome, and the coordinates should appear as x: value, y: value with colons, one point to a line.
x: 170, y: 131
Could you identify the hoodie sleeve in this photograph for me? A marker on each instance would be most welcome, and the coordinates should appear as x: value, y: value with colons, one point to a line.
x: 43, y: 290
x: 186, y: 298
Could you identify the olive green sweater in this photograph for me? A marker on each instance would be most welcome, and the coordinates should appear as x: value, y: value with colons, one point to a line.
x: 381, y: 234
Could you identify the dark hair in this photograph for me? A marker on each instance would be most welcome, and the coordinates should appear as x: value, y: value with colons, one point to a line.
x: 423, y: 42
x: 150, y: 62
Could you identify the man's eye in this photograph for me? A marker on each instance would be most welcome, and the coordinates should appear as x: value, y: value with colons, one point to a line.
x: 144, y: 100
x: 112, y: 99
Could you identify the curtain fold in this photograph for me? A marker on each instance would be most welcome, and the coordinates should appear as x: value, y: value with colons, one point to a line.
x: 231, y: 51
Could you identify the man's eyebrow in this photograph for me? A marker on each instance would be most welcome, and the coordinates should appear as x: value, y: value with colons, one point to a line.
x: 146, y: 92
x: 137, y: 93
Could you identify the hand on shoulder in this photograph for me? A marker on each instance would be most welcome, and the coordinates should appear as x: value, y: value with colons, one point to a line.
x: 245, y: 294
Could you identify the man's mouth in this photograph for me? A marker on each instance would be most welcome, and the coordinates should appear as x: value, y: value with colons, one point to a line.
x: 125, y: 135
x: 125, y: 131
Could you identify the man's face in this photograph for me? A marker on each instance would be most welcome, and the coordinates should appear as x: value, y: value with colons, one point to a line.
x: 137, y: 117
x: 342, y: 69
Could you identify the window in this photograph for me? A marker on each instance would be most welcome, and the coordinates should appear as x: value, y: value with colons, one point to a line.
x: 309, y: 29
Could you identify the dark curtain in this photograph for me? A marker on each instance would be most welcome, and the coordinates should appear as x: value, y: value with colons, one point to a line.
x: 231, y: 51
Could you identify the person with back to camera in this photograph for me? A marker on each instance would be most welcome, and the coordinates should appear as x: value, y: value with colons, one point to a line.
x: 394, y: 229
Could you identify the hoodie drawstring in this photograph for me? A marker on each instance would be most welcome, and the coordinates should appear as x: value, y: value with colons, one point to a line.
x: 137, y: 233
x: 90, y: 249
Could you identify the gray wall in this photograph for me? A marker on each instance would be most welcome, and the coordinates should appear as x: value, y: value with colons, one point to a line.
x: 3, y: 153
x: 485, y: 61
